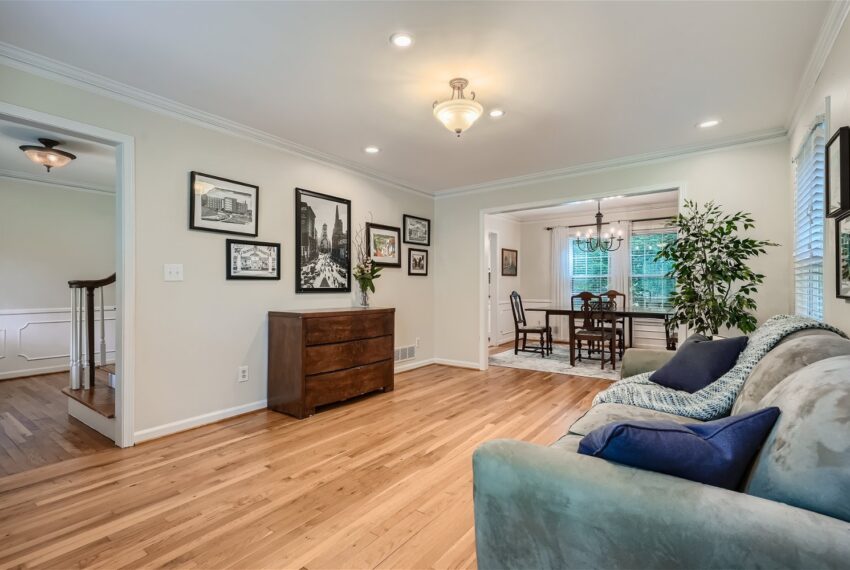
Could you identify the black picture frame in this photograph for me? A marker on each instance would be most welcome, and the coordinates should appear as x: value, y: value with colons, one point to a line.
x: 229, y: 256
x: 404, y: 230
x: 410, y: 253
x: 510, y: 270
x: 307, y: 253
x: 842, y: 257
x: 196, y: 217
x: 837, y: 176
x: 376, y: 259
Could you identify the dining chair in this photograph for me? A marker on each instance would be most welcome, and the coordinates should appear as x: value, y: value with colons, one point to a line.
x: 602, y: 334
x: 521, y: 328
x: 580, y: 302
x: 615, y: 296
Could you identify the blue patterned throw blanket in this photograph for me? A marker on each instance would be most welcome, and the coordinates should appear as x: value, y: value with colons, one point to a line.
x: 715, y: 400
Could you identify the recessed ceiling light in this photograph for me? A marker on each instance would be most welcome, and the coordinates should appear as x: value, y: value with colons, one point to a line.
x: 372, y: 150
x: 709, y: 123
x: 401, y: 40
x: 496, y: 113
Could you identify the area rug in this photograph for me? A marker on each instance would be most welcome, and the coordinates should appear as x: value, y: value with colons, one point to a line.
x: 557, y: 362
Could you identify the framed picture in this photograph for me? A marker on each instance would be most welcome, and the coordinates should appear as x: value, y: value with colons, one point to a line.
x: 252, y: 260
x: 384, y: 244
x: 842, y: 257
x: 838, y: 173
x: 417, y: 231
x: 322, y: 243
x: 510, y: 258
x: 417, y: 261
x: 222, y: 205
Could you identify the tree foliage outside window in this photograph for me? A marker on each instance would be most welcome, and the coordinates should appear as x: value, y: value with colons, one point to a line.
x: 589, y: 270
x: 651, y: 287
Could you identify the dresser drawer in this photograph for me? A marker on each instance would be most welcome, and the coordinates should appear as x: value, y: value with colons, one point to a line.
x: 330, y: 357
x: 346, y: 327
x: 343, y: 384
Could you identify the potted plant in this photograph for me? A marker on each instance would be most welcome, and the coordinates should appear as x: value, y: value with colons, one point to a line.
x: 365, y: 272
x: 714, y: 284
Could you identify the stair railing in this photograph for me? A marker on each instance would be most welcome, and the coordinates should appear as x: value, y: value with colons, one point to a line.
x: 82, y: 309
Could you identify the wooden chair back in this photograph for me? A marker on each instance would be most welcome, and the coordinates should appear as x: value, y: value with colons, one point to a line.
x: 517, y: 310
x: 615, y: 297
x: 581, y: 302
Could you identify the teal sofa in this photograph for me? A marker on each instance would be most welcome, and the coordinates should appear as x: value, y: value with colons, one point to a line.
x: 549, y: 507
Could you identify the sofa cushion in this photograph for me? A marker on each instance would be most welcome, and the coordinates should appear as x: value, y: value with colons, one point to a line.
x: 796, y: 351
x: 699, y: 362
x: 568, y: 442
x: 603, y: 414
x: 716, y: 452
x: 805, y: 462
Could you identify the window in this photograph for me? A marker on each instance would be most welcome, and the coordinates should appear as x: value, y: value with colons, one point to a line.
x: 808, y: 225
x: 589, y: 270
x: 650, y: 289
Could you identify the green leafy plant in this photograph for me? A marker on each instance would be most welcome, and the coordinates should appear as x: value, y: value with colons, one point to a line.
x: 714, y: 284
x: 365, y: 272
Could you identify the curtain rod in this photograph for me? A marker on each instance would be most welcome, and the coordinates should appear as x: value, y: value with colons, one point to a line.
x: 550, y: 228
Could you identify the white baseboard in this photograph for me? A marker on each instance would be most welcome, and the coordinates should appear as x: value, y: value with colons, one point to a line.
x: 33, y: 371
x: 457, y: 363
x: 203, y: 419
x: 413, y: 365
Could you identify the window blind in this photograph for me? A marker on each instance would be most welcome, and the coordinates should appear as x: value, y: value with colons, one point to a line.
x: 809, y: 224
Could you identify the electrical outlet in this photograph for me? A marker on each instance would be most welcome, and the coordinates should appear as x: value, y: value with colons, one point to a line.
x: 172, y: 272
x: 243, y: 374
x: 417, y: 342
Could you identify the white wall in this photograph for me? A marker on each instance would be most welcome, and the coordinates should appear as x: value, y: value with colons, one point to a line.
x: 191, y: 336
x: 754, y: 178
x: 833, y: 82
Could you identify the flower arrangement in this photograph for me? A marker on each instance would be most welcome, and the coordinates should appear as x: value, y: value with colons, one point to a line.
x: 365, y: 272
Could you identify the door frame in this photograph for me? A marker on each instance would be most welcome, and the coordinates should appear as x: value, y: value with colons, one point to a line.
x: 125, y: 258
x: 495, y: 273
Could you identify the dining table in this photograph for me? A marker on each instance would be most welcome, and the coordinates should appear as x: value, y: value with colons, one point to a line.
x: 628, y: 312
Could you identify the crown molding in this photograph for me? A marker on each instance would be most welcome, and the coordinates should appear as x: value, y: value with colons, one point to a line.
x: 833, y: 22
x: 49, y: 68
x: 763, y: 137
x: 625, y: 213
x: 49, y: 181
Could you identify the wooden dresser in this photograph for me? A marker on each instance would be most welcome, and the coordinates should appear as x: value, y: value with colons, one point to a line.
x: 321, y: 356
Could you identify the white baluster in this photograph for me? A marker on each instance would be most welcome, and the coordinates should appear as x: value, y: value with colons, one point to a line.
x: 102, y: 331
x: 75, y: 362
x: 83, y: 339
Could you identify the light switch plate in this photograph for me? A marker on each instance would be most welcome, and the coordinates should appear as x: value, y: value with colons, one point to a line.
x: 172, y: 272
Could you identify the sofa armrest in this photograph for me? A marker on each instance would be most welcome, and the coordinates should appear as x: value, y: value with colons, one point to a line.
x: 639, y: 360
x: 542, y: 507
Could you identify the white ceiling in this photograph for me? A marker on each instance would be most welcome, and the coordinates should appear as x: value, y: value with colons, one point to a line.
x: 580, y: 82
x: 93, y: 169
x: 645, y: 204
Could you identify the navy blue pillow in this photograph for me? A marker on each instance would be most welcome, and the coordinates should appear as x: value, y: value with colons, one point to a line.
x: 699, y: 362
x: 715, y: 453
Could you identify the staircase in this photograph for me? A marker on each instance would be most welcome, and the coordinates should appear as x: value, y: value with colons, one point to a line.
x: 91, y: 385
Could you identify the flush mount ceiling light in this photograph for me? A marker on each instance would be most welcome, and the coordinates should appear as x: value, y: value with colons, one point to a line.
x: 46, y: 155
x: 709, y: 123
x: 371, y: 150
x: 458, y: 113
x: 401, y: 40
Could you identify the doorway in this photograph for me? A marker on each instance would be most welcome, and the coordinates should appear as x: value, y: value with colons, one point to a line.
x: 493, y: 289
x: 113, y: 313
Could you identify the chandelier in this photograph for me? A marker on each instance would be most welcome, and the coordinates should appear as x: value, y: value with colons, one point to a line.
x: 46, y: 155
x: 458, y: 113
x: 599, y: 242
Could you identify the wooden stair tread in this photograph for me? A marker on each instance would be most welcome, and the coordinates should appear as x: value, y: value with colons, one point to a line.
x: 101, y: 398
x: 108, y: 368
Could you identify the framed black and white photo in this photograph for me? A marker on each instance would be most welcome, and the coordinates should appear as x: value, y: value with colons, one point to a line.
x: 510, y: 258
x: 837, y: 173
x: 384, y: 244
x: 417, y: 231
x: 252, y: 260
x: 842, y: 257
x: 322, y: 243
x: 222, y: 205
x: 417, y: 261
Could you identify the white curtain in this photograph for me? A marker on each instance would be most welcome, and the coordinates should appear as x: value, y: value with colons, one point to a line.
x: 561, y: 278
x: 620, y: 261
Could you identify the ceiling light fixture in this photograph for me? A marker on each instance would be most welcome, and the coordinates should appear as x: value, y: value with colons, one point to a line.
x: 372, y: 150
x: 708, y: 124
x: 458, y: 113
x: 46, y: 155
x: 496, y: 113
x: 401, y: 40
x: 599, y: 242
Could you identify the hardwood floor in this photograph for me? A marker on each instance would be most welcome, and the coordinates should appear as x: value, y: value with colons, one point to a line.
x: 383, y: 482
x: 35, y: 428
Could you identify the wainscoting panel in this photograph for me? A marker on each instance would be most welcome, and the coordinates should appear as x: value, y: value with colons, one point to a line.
x: 506, y: 317
x: 37, y: 341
